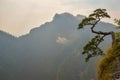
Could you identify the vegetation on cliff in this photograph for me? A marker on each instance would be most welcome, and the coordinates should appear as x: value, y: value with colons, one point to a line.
x: 109, y: 64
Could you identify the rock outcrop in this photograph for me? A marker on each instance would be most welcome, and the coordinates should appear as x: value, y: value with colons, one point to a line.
x: 109, y: 66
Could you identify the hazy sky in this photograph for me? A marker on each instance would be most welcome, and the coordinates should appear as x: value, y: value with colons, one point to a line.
x: 19, y: 16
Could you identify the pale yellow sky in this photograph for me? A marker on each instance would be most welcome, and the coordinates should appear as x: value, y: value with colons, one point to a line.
x: 19, y: 16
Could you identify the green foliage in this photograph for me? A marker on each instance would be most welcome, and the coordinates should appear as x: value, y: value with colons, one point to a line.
x: 93, y: 18
x: 108, y: 63
x: 86, y: 21
x: 91, y: 49
x: 99, y: 13
x: 117, y: 35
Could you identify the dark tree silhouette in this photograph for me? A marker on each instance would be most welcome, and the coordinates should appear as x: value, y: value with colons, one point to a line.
x: 92, y: 48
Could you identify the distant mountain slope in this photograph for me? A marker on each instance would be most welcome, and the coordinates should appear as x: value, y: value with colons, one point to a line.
x: 50, y: 52
x: 6, y: 41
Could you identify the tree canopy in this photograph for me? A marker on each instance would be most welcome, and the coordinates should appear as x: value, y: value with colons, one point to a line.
x: 92, y: 48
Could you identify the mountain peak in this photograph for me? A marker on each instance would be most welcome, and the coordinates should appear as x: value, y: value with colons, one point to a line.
x: 63, y: 16
x: 67, y: 16
x: 80, y: 17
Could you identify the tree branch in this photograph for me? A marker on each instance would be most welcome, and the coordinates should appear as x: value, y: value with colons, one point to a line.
x: 103, y: 33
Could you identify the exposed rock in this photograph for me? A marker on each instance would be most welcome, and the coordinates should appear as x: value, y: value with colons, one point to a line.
x: 109, y: 66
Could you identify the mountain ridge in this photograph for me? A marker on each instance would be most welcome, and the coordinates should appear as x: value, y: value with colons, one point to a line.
x: 52, y: 47
x: 56, y: 17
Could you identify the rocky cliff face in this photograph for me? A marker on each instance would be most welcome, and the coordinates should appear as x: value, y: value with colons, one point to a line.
x: 109, y: 66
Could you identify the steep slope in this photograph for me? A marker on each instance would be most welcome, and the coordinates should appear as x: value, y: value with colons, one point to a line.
x: 6, y: 41
x: 51, y: 52
x: 109, y: 66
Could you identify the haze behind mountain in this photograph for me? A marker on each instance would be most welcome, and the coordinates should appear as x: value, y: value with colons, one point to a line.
x: 51, y: 51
